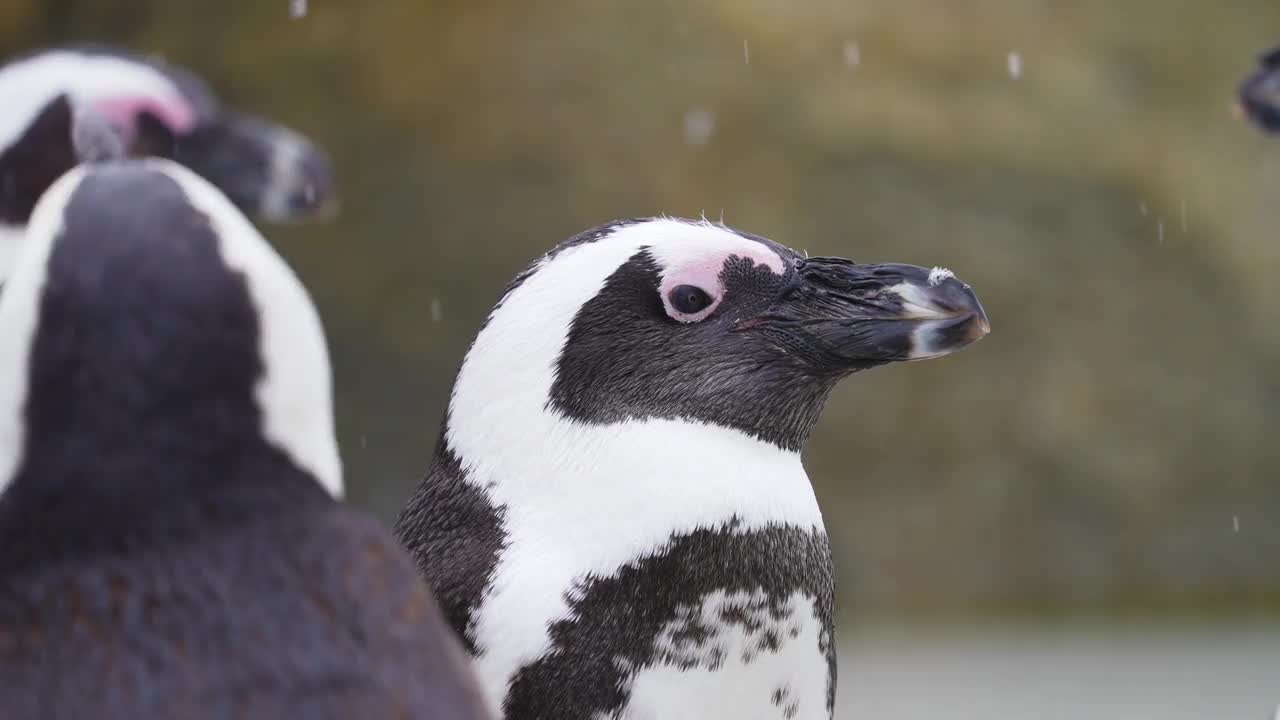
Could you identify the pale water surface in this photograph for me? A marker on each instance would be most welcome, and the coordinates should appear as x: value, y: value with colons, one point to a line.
x: 1218, y: 672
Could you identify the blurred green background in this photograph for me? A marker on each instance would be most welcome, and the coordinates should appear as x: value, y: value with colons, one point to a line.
x: 1108, y: 451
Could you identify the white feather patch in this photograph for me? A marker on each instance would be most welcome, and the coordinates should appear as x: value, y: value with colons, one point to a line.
x: 295, y: 394
x: 11, y: 240
x: 20, y: 314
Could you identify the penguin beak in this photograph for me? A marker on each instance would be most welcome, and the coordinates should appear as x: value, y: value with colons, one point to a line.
x: 264, y: 168
x: 1258, y: 98
x: 845, y: 316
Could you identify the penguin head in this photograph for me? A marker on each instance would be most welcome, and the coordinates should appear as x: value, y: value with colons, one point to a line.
x: 158, y: 110
x: 149, y: 326
x: 1258, y: 97
x: 265, y: 169
x: 682, y: 320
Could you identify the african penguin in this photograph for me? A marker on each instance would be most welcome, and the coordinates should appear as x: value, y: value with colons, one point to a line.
x: 171, y: 542
x: 616, y: 519
x: 1258, y: 96
x: 160, y: 110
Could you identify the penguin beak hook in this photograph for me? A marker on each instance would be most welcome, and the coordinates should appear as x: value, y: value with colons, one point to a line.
x: 945, y: 313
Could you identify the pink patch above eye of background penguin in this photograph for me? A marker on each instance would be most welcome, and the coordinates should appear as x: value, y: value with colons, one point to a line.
x: 122, y: 112
x: 704, y: 273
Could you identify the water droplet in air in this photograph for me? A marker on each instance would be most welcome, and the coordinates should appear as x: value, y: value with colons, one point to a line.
x: 435, y: 310
x: 1015, y: 65
x: 746, y: 52
x: 852, y: 55
x: 699, y: 124
x: 1235, y: 523
x: 297, y: 8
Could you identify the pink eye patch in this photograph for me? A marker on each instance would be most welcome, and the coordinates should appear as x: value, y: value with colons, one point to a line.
x: 121, y: 111
x: 704, y: 273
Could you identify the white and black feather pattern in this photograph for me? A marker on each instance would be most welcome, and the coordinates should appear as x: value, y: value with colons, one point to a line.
x: 616, y: 518
x: 640, y: 557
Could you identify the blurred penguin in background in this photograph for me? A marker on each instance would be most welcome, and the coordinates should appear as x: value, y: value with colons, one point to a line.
x: 265, y: 169
x: 172, y: 543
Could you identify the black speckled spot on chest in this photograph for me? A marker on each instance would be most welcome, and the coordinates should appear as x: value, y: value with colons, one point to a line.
x: 700, y: 584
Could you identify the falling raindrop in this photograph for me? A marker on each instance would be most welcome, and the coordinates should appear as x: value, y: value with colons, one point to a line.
x: 1142, y: 208
x: 297, y: 8
x: 746, y: 52
x: 1015, y: 65
x: 852, y: 55
x: 1184, y: 215
x: 435, y: 310
x: 1160, y: 231
x: 364, y: 442
x: 1235, y: 522
x: 699, y: 124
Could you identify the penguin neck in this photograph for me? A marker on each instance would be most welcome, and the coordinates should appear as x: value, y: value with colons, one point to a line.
x: 114, y: 457
x: 73, y: 498
x: 610, y: 491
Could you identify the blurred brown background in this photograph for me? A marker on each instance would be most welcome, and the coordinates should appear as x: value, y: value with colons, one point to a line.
x: 1108, y: 451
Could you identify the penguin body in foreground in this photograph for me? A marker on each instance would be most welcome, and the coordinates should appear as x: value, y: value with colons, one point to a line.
x: 159, y: 109
x: 171, y: 544
x: 616, y: 519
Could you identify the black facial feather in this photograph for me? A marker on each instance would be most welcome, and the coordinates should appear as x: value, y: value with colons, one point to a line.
x: 746, y: 366
x: 32, y: 163
x: 625, y: 358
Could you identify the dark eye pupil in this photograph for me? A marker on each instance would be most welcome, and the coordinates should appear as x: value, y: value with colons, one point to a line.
x: 689, y: 299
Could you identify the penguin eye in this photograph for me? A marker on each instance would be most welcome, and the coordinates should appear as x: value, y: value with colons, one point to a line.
x: 689, y: 299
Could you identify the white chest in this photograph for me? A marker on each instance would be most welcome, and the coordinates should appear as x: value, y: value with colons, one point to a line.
x: 628, y: 490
